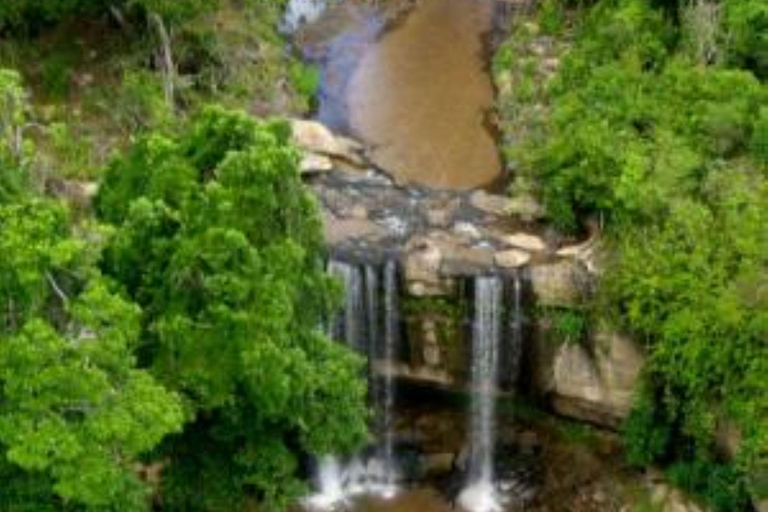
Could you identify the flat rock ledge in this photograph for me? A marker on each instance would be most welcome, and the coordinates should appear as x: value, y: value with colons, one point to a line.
x: 439, y: 236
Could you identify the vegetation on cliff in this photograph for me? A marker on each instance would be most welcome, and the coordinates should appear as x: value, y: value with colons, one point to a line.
x: 652, y: 119
x: 171, y: 348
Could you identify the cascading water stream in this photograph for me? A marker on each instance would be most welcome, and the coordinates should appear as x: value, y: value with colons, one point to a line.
x: 391, y: 344
x: 350, y: 326
x: 359, y: 326
x: 481, y: 495
x: 516, y: 330
x: 331, y: 477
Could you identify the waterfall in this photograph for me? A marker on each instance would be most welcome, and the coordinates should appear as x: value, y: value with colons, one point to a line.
x: 381, y: 471
x: 300, y: 12
x: 480, y: 495
x: 391, y: 345
x: 350, y: 325
x: 359, y: 325
x: 330, y: 484
x: 516, y: 330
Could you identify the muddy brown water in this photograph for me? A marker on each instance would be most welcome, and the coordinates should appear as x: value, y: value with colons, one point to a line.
x: 418, y: 500
x: 418, y: 91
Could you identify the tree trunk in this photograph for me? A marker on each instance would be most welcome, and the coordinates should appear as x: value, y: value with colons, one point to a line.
x: 169, y: 68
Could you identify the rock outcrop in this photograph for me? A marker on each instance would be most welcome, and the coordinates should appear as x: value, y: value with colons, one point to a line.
x: 594, y: 381
x: 320, y: 147
x: 443, y: 237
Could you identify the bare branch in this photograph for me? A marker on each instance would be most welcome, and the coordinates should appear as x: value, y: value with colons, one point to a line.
x: 59, y: 292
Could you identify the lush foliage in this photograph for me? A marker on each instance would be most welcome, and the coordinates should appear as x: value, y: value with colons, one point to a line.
x: 14, y: 145
x: 76, y: 411
x: 181, y: 339
x: 30, y: 14
x: 218, y: 242
x: 654, y: 121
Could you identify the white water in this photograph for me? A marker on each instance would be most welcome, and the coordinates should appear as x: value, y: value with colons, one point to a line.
x: 480, y: 494
x: 358, y: 326
x: 391, y: 344
x: 301, y: 12
x: 516, y: 328
x: 328, y: 480
x: 350, y: 327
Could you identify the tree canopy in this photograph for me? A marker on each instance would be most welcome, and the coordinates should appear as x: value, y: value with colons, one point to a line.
x: 219, y: 243
x: 654, y: 123
x: 179, y: 332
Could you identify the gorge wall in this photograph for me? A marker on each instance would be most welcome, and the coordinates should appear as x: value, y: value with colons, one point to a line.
x: 440, y: 241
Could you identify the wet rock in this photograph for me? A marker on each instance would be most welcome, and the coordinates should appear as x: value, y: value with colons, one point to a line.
x: 358, y: 211
x: 439, y: 217
x: 435, y: 464
x: 513, y: 258
x: 340, y: 230
x: 466, y: 261
x: 489, y: 203
x: 431, y: 346
x: 467, y: 231
x: 422, y: 268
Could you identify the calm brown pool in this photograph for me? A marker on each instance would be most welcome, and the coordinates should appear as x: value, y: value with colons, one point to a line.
x: 418, y: 92
x: 421, y: 94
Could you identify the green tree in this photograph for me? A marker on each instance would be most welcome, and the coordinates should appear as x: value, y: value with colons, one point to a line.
x: 219, y: 242
x: 15, y: 148
x: 76, y: 414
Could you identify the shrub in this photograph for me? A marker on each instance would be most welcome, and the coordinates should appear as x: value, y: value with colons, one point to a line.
x: 15, y: 148
x: 718, y: 484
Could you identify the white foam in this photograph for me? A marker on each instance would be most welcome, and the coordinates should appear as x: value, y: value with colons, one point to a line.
x: 481, y: 496
x: 337, y: 483
x: 330, y: 492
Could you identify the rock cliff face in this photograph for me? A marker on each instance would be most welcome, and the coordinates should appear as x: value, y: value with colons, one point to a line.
x: 593, y: 381
x: 442, y: 239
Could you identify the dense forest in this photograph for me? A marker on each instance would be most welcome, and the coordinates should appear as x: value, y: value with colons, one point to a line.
x: 655, y: 126
x: 181, y: 303
x: 186, y: 311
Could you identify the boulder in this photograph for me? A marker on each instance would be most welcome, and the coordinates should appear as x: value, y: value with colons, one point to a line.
x: 563, y: 283
x: 459, y: 261
x: 526, y: 207
x: 512, y: 258
x: 439, y: 217
x: 466, y: 231
x: 594, y: 382
x: 314, y: 137
x: 489, y: 203
x: 525, y: 241
x: 340, y: 230
x: 423, y: 259
x: 430, y: 344
x: 312, y: 163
